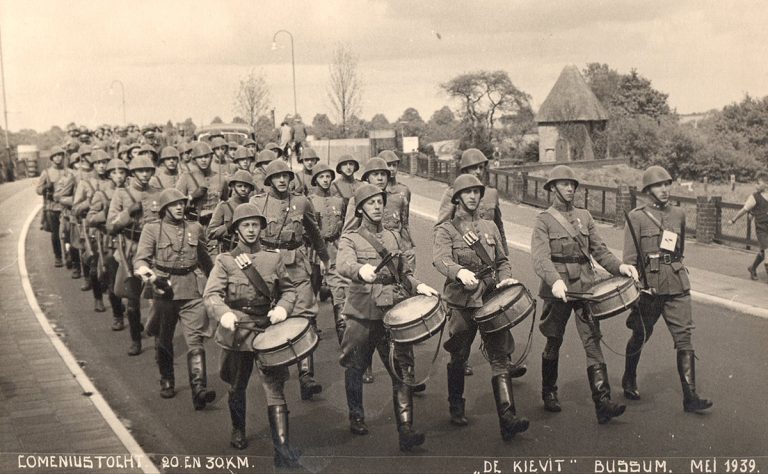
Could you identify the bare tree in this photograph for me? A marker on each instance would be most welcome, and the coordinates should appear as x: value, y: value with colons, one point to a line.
x: 252, y: 99
x: 346, y: 86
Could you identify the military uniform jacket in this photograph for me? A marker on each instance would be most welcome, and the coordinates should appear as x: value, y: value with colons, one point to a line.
x: 85, y: 190
x: 549, y: 239
x: 163, y: 179
x: 64, y: 190
x: 119, y: 217
x: 228, y: 289
x: 258, y: 174
x: 175, y: 250
x: 214, y: 181
x: 303, y: 182
x: 345, y: 187
x: 671, y: 278
x: 290, y: 220
x: 98, y: 206
x: 329, y: 212
x: 488, y: 209
x: 222, y: 217
x: 395, y: 217
x: 52, y: 176
x: 450, y: 254
x: 371, y: 300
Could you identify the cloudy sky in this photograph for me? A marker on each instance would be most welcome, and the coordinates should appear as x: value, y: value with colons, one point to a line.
x: 182, y: 59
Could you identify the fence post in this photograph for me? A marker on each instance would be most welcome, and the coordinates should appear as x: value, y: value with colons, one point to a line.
x: 626, y: 200
x: 413, y: 161
x: 431, y: 165
x: 707, y: 218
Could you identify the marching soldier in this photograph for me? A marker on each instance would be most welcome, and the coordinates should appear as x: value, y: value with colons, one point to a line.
x: 130, y: 209
x: 175, y: 250
x: 203, y: 185
x: 660, y: 229
x: 330, y: 211
x: 185, y: 156
x: 64, y: 194
x: 291, y: 220
x: 242, y: 310
x: 563, y: 243
x: 264, y: 158
x: 103, y: 264
x: 168, y: 175
x: 148, y: 151
x: 243, y: 159
x: 275, y: 148
x: 346, y: 184
x: 299, y: 135
x: 371, y: 294
x: 303, y: 181
x: 218, y: 229
x: 465, y: 291
x: 221, y: 162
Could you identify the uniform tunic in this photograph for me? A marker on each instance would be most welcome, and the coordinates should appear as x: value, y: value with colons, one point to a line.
x: 228, y: 289
x: 303, y: 182
x: 550, y: 239
x: 345, y: 187
x: 668, y: 278
x: 329, y: 212
x: 218, y: 229
x: 488, y: 209
x: 395, y: 217
x: 213, y: 181
x: 450, y: 254
x: 164, y: 179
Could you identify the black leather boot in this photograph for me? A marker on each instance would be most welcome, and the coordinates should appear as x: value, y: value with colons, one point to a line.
x: 410, y: 377
x: 752, y: 269
x: 368, y: 375
x: 686, y: 367
x: 134, y: 326
x: 402, y: 399
x: 306, y: 378
x: 313, y: 323
x: 549, y: 384
x: 629, y: 379
x: 164, y: 360
x: 509, y: 423
x: 198, y: 379
x: 285, y: 456
x: 86, y: 266
x: 353, y: 385
x: 237, y: 415
x: 456, y: 394
x: 601, y: 394
x: 341, y: 323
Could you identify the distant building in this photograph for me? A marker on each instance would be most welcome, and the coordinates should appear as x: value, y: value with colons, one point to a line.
x: 568, y: 120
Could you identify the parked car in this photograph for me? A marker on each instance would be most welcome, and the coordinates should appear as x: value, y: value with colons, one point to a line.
x: 233, y: 132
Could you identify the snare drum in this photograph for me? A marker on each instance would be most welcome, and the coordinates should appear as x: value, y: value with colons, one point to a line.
x: 285, y: 343
x: 505, y: 309
x: 612, y: 296
x: 416, y: 319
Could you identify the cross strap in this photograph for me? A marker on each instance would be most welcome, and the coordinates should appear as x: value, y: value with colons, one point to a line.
x: 386, y: 256
x: 560, y: 218
x: 477, y: 246
x: 254, y: 276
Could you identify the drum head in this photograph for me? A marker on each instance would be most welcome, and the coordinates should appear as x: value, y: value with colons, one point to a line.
x: 278, y: 334
x: 500, y: 301
x: 606, y: 287
x: 410, y: 310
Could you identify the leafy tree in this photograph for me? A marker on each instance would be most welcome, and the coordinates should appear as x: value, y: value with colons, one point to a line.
x: 238, y: 119
x: 411, y: 123
x: 603, y: 81
x: 442, y: 125
x: 265, y: 130
x: 380, y: 122
x: 322, y: 127
x: 216, y: 120
x: 635, y: 96
x: 357, y: 127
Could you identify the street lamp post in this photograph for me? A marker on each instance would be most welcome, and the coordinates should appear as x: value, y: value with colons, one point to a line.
x: 122, y: 89
x: 293, y: 62
x: 5, y: 113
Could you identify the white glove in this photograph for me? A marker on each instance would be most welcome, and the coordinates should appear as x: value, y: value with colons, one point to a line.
x: 278, y: 314
x: 507, y: 282
x: 145, y: 274
x: 228, y: 320
x: 323, y: 268
x: 426, y: 290
x: 367, y: 273
x: 629, y: 270
x: 559, y: 289
x: 467, y: 278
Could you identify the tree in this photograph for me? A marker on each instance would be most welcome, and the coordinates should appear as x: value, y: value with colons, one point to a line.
x: 252, y: 98
x: 484, y: 97
x: 635, y: 96
x: 357, y: 127
x: 322, y: 127
x: 345, y: 87
x: 442, y: 125
x: 216, y: 120
x: 238, y: 119
x: 411, y: 123
x: 188, y: 126
x: 380, y: 122
x: 265, y: 130
x: 603, y: 81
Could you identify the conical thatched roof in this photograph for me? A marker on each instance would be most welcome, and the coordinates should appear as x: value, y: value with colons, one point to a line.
x: 571, y: 100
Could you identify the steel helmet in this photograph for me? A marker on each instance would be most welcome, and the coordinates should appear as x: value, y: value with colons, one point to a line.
x: 219, y: 142
x: 561, y: 173
x: 321, y: 168
x: 132, y: 147
x: 389, y: 156
x: 97, y: 155
x: 242, y: 176
x: 464, y: 182
x: 116, y: 164
x: 147, y: 148
x: 654, y: 175
x: 184, y: 147
x: 170, y: 196
x: 265, y: 156
x: 274, y: 168
x: 365, y: 192
x: 57, y: 150
x: 73, y: 159
x: 246, y: 211
x: 232, y: 145
x: 471, y: 157
x: 243, y: 153
x: 274, y: 147
x: 249, y: 142
x: 141, y: 162
x: 375, y: 164
x: 169, y: 152
x: 85, y: 150
x: 201, y: 149
x: 345, y: 159
x: 308, y: 153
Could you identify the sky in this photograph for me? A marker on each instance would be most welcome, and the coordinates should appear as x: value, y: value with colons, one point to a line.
x: 179, y: 59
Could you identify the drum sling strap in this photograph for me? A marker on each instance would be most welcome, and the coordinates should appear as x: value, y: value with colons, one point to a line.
x: 473, y: 241
x: 387, y: 259
x: 560, y: 218
x: 260, y: 285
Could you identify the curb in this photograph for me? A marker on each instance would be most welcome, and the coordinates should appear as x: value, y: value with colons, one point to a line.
x: 122, y: 433
x: 755, y: 311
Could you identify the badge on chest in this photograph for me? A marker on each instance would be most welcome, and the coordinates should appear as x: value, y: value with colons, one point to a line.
x: 668, y: 241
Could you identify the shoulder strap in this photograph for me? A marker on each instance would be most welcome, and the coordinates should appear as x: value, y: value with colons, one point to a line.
x: 231, y: 210
x: 560, y: 218
x: 653, y: 219
x: 680, y: 241
x: 385, y: 255
x: 130, y: 195
x: 253, y: 276
x: 476, y: 245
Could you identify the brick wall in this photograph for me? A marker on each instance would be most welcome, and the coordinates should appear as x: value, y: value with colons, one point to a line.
x: 707, y: 218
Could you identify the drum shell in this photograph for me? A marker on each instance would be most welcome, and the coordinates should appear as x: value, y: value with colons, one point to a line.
x: 287, y: 352
x: 614, y: 302
x: 510, y: 313
x: 420, y: 328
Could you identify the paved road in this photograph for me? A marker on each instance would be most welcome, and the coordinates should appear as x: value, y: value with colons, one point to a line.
x: 732, y: 367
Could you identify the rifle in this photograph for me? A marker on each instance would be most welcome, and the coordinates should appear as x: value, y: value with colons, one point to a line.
x: 100, y: 270
x: 640, y: 257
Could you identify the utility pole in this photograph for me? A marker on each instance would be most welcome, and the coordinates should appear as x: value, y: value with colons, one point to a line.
x: 5, y: 113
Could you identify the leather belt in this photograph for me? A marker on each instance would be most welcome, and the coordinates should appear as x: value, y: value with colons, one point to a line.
x: 283, y: 246
x: 253, y: 310
x: 178, y: 271
x: 665, y: 258
x: 563, y: 259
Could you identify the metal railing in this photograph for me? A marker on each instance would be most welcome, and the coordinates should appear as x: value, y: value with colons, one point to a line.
x: 422, y: 166
x: 443, y: 170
